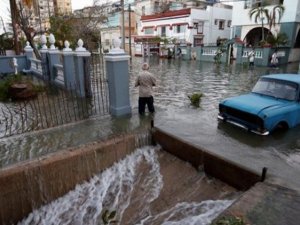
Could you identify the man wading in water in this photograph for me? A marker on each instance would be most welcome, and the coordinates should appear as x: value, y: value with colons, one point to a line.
x: 145, y: 81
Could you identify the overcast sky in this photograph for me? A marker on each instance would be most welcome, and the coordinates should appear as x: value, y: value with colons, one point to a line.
x: 79, y: 4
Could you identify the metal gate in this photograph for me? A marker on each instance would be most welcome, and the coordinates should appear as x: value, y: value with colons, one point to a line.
x: 55, y: 106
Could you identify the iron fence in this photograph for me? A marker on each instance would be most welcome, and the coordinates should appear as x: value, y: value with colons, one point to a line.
x: 56, y: 106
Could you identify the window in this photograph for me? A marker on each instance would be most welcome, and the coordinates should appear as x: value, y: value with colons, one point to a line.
x: 216, y: 22
x: 229, y: 23
x: 143, y: 10
x: 198, y: 41
x: 221, y: 24
x: 199, y: 27
x: 163, y: 31
x: 149, y: 30
x: 180, y: 28
x: 106, y: 41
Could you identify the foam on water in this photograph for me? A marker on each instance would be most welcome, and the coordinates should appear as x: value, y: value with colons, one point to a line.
x: 134, y: 180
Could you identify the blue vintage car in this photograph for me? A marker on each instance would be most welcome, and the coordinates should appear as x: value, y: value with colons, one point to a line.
x: 273, y: 103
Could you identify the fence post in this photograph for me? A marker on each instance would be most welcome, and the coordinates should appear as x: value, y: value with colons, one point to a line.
x: 68, y: 65
x: 188, y: 51
x: 53, y: 57
x: 44, y: 58
x: 29, y: 54
x: 82, y: 56
x: 116, y: 62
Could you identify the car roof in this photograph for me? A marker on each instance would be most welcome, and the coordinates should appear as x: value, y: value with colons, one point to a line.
x: 288, y: 77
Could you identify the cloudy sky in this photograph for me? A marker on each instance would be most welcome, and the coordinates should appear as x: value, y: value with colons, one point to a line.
x: 79, y: 4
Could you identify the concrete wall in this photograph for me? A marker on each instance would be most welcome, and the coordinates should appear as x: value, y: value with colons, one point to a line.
x: 6, y: 63
x: 216, y: 166
x: 29, y: 185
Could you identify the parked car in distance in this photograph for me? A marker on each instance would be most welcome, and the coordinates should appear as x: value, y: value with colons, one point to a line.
x: 272, y: 104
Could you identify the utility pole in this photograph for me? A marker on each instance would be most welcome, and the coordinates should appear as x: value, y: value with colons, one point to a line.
x: 129, y: 11
x: 123, y: 25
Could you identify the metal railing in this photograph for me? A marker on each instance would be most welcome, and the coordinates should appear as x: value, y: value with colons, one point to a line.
x: 55, y: 106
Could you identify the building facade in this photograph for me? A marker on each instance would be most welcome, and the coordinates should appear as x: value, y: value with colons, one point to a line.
x: 62, y: 7
x: 187, y: 26
x: 251, y: 33
x: 44, y: 9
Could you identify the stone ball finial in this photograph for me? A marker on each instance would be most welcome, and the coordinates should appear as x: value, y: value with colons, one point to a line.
x: 116, y: 43
x: 67, y: 46
x: 52, y: 41
x: 80, y: 43
x: 44, y: 41
x: 116, y: 47
x: 80, y: 46
x: 28, y: 47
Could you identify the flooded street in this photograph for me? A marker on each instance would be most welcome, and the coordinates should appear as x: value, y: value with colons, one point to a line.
x: 280, y: 153
x: 148, y: 175
x: 176, y: 80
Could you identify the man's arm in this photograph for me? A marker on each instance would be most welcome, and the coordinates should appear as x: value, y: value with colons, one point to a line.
x: 137, y: 83
x: 153, y: 80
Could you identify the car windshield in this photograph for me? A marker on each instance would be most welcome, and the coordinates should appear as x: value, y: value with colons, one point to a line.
x: 276, y: 88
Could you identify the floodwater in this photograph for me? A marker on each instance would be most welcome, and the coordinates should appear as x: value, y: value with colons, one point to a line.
x: 140, y: 190
x: 176, y: 80
x: 280, y: 152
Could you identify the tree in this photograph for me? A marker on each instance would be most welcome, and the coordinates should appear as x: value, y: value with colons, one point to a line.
x: 260, y: 13
x: 276, y: 15
x: 24, y: 14
x: 86, y: 24
x: 61, y: 27
x: 14, y: 20
x: 280, y: 39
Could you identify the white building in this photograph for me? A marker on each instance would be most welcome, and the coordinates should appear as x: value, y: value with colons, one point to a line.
x: 251, y: 32
x: 190, y: 25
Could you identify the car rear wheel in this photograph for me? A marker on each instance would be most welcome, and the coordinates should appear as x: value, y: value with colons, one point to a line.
x: 282, y: 126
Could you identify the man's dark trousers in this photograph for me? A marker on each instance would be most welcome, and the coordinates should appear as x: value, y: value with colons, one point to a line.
x: 142, y: 103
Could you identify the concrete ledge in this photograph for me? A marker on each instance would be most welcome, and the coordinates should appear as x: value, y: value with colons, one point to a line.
x: 29, y: 185
x: 266, y: 203
x: 214, y: 165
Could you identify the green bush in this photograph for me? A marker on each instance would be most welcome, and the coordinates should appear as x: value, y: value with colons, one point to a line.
x: 195, y: 99
x: 9, y: 80
x: 6, y: 83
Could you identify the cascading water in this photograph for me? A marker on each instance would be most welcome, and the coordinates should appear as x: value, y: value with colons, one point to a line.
x: 129, y: 187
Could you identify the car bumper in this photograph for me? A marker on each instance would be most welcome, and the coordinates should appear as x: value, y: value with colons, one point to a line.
x: 228, y: 120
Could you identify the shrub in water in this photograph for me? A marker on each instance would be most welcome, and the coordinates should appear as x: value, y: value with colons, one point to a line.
x: 195, y: 99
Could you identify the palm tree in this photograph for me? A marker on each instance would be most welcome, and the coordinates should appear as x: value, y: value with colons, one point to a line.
x: 276, y: 14
x: 260, y: 13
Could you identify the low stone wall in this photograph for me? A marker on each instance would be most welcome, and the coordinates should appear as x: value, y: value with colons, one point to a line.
x: 214, y: 165
x: 28, y: 185
x: 6, y: 63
